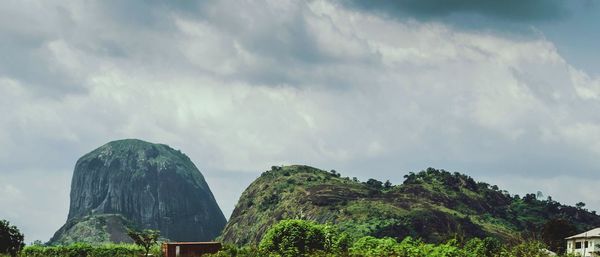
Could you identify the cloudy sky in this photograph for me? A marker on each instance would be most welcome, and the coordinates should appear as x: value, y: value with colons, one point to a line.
x: 505, y: 91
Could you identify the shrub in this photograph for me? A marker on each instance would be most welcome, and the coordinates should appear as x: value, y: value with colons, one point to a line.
x: 84, y: 250
x: 529, y: 249
x: 489, y: 246
x: 11, y: 239
x: 301, y: 237
x: 233, y: 251
x: 371, y: 246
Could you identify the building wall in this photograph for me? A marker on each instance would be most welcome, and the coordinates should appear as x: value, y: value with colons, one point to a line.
x: 189, y: 250
x: 592, y: 246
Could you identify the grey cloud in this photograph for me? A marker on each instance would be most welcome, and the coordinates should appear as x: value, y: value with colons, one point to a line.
x: 532, y: 10
x: 23, y: 46
x: 95, y: 30
x: 282, y: 41
x: 283, y: 45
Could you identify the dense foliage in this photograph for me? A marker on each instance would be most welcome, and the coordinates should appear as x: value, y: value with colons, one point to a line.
x: 432, y: 205
x: 299, y: 237
x: 11, y: 239
x: 296, y: 237
x: 366, y: 246
x: 87, y: 250
x: 306, y: 238
x: 555, y: 231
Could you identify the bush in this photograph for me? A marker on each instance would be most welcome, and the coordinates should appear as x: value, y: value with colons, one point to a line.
x: 233, y: 251
x: 86, y: 250
x: 371, y: 246
x: 529, y: 249
x: 489, y: 247
x: 301, y: 237
x: 11, y: 239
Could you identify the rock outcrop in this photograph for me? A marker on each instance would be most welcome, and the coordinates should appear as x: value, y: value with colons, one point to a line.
x: 132, y: 183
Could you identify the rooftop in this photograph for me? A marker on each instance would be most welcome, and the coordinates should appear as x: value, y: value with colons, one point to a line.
x: 591, y: 233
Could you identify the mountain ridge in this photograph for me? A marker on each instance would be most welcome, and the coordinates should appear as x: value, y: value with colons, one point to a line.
x: 434, y: 205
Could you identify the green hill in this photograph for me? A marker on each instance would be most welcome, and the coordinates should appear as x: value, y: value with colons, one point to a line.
x: 434, y: 205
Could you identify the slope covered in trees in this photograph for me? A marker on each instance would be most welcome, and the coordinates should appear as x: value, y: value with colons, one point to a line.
x: 434, y: 205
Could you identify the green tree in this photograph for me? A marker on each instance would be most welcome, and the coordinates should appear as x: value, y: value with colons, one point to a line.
x: 371, y: 246
x: 11, y: 239
x: 554, y: 233
x: 387, y: 184
x: 374, y: 183
x: 301, y: 237
x: 146, y: 238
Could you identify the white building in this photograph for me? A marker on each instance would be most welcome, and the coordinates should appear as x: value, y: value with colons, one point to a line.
x: 586, y: 244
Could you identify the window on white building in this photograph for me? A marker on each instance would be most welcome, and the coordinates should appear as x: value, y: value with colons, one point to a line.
x: 577, y: 245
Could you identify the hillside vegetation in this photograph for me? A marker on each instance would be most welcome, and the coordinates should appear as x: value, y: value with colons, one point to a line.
x: 432, y: 205
x: 292, y: 238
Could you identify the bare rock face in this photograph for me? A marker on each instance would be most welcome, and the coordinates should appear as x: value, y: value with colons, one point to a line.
x: 147, y: 186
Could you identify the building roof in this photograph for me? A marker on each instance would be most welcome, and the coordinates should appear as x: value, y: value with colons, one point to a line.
x: 588, y: 234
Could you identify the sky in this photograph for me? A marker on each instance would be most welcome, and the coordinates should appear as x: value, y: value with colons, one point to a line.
x: 507, y: 92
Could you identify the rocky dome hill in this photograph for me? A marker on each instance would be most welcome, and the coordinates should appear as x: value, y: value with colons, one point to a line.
x: 434, y: 205
x: 135, y: 184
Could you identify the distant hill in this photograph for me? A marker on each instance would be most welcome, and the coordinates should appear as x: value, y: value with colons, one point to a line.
x: 434, y: 205
x: 135, y: 184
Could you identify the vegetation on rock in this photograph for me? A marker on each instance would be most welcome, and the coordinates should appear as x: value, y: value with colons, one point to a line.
x: 94, y: 229
x: 432, y: 205
x: 132, y: 183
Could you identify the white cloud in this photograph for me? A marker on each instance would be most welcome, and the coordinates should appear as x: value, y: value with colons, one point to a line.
x: 289, y: 82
